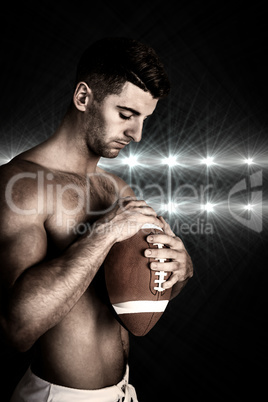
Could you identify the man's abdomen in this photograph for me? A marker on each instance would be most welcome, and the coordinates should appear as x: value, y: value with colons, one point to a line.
x: 85, y: 350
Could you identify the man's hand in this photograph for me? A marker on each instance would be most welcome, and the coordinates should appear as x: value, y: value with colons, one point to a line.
x: 180, y: 265
x: 126, y: 218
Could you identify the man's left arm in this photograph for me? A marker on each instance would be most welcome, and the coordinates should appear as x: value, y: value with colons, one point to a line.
x: 180, y: 263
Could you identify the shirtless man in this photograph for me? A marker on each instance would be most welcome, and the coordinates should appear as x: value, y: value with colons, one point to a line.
x: 52, y: 291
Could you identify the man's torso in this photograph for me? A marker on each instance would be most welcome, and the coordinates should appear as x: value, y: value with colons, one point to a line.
x: 88, y: 348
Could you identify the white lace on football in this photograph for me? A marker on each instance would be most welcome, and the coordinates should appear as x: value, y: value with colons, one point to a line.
x: 161, y: 274
x: 160, y: 280
x: 151, y: 226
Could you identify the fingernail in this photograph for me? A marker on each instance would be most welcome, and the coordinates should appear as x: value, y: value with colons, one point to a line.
x: 148, y: 252
x: 150, y: 238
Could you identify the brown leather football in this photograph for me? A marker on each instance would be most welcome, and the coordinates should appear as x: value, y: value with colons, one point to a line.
x: 135, y: 291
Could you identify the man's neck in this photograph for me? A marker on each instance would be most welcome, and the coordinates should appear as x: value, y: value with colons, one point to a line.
x: 64, y: 151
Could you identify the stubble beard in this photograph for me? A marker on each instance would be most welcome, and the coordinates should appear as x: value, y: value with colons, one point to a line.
x: 95, y: 131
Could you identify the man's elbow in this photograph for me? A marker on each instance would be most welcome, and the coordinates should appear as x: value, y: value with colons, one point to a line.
x: 19, y: 338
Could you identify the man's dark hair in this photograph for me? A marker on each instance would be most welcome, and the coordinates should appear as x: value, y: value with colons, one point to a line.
x: 108, y: 63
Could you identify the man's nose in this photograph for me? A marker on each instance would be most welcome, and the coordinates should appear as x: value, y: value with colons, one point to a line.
x: 135, y: 131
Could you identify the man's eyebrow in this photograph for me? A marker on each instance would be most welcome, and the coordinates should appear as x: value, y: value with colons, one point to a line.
x: 129, y: 109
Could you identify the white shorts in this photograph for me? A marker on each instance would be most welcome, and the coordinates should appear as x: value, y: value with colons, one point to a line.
x: 33, y: 389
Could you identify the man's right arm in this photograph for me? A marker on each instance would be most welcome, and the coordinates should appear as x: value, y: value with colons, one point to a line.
x: 36, y: 294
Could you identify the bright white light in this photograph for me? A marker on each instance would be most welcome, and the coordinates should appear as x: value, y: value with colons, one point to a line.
x: 131, y: 161
x: 249, y: 161
x: 170, y: 161
x: 6, y: 157
x: 171, y: 207
x: 5, y: 160
x: 209, y: 207
x: 208, y: 160
x: 249, y: 207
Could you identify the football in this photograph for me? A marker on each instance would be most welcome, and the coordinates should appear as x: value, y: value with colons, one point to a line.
x: 135, y: 291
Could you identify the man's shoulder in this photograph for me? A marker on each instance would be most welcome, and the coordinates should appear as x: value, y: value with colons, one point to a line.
x: 19, y: 183
x: 17, y: 166
x: 21, y: 170
x: 123, y: 188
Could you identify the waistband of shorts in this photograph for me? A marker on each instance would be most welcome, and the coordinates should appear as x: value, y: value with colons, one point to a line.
x: 102, y: 394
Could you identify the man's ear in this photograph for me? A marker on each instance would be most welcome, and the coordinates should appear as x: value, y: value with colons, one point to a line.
x: 82, y: 96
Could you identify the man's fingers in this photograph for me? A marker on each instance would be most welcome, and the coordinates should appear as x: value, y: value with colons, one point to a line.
x: 166, y: 227
x: 133, y: 205
x: 129, y: 202
x: 162, y: 238
x: 173, y: 266
x: 143, y: 218
x: 173, y: 280
x: 163, y: 253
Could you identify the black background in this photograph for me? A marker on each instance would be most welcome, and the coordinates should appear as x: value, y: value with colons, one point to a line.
x: 211, y: 341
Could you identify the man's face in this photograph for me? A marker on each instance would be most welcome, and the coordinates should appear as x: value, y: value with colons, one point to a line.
x: 118, y: 120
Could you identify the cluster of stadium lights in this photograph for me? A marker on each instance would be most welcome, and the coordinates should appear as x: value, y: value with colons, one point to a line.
x: 171, y: 161
x: 132, y: 161
x: 209, y: 207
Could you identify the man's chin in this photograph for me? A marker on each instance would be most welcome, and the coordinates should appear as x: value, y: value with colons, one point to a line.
x: 111, y: 154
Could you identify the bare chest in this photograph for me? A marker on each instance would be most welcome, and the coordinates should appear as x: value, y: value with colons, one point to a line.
x: 73, y: 205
